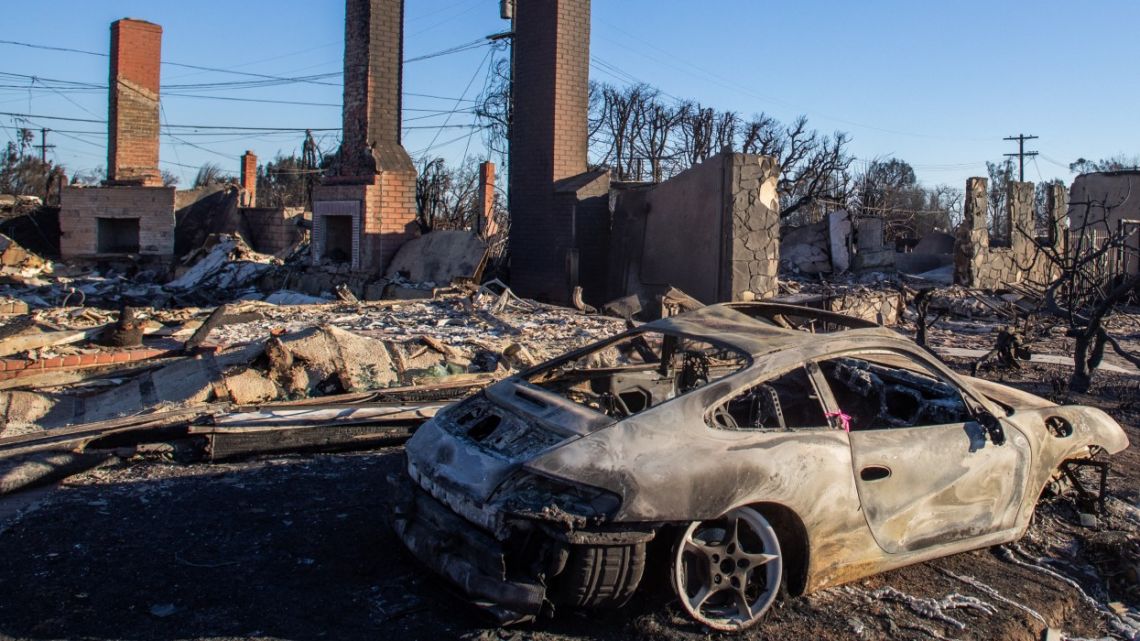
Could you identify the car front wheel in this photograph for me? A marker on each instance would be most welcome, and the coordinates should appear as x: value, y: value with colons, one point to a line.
x: 727, y: 571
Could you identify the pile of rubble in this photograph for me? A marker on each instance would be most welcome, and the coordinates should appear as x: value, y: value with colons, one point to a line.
x: 252, y: 353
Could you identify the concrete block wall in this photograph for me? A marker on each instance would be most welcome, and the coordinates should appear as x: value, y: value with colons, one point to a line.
x: 135, y: 81
x: 271, y: 230
x: 81, y: 207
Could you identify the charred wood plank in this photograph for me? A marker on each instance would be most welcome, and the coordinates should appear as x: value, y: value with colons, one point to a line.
x: 229, y: 443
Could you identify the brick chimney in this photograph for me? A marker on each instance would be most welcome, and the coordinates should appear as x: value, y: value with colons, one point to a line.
x: 548, y: 140
x: 365, y: 210
x: 132, y: 149
x: 485, y: 225
x: 373, y: 85
x: 249, y: 180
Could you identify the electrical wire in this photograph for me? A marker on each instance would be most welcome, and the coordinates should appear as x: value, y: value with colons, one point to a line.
x: 462, y: 96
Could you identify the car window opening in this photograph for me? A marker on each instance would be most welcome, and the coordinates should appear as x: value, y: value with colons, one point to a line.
x: 639, y: 372
x: 879, y: 396
x: 786, y: 402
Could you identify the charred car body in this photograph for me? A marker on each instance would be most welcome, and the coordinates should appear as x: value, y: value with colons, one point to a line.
x: 773, y: 458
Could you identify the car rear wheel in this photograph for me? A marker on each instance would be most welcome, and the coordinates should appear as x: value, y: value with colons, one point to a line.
x: 601, y: 576
x: 727, y: 571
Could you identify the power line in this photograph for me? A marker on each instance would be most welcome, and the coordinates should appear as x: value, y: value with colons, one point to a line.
x: 461, y: 97
x: 207, y: 127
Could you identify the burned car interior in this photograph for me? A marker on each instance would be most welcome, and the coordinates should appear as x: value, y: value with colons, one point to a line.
x: 639, y: 372
x: 874, y: 395
x: 789, y: 401
x: 871, y: 391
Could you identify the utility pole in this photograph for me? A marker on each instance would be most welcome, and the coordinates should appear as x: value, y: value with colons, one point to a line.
x: 1021, y: 153
x: 43, y: 146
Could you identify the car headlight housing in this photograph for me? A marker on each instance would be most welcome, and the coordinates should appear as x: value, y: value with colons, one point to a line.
x: 538, y: 497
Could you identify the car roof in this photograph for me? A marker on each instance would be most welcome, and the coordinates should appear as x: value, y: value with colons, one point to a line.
x: 727, y: 325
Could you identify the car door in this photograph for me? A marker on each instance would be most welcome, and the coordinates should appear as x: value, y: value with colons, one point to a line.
x: 925, y: 470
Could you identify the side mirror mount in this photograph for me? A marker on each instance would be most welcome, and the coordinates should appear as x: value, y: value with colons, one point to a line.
x: 993, y: 427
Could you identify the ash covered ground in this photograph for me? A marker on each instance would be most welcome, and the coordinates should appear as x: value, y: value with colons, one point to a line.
x: 301, y: 548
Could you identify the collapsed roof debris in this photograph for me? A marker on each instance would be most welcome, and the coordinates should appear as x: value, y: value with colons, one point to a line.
x: 225, y: 263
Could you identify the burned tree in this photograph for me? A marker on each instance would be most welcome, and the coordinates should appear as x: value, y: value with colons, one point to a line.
x: 447, y: 197
x: 1088, y: 278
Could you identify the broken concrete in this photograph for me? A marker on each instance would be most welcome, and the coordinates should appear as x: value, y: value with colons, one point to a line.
x: 806, y: 250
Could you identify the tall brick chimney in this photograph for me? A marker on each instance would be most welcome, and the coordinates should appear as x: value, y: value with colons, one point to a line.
x: 249, y: 180
x: 132, y: 149
x: 373, y: 84
x: 366, y: 209
x: 549, y: 141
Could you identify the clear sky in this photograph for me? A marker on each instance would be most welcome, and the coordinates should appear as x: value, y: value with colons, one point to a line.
x: 938, y: 84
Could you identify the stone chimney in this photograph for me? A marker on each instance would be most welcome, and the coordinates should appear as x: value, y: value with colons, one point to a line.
x: 249, y: 180
x: 133, y: 129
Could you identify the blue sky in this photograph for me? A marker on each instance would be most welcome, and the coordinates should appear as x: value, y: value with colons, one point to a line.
x: 938, y: 84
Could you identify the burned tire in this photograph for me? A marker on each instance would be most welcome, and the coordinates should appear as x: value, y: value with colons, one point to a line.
x: 600, y: 576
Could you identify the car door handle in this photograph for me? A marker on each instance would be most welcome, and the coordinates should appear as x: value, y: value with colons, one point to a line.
x: 875, y: 473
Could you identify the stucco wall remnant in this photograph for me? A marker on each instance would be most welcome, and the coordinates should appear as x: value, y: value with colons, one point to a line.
x: 1101, y: 204
x: 712, y: 231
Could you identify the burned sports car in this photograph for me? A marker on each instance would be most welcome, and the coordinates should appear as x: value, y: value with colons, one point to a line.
x: 750, y: 455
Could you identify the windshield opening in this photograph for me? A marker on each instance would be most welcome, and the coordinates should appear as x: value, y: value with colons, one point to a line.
x: 627, y: 377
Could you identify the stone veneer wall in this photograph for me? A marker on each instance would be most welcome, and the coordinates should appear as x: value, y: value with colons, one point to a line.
x: 80, y: 207
x: 753, y: 207
x: 980, y: 266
